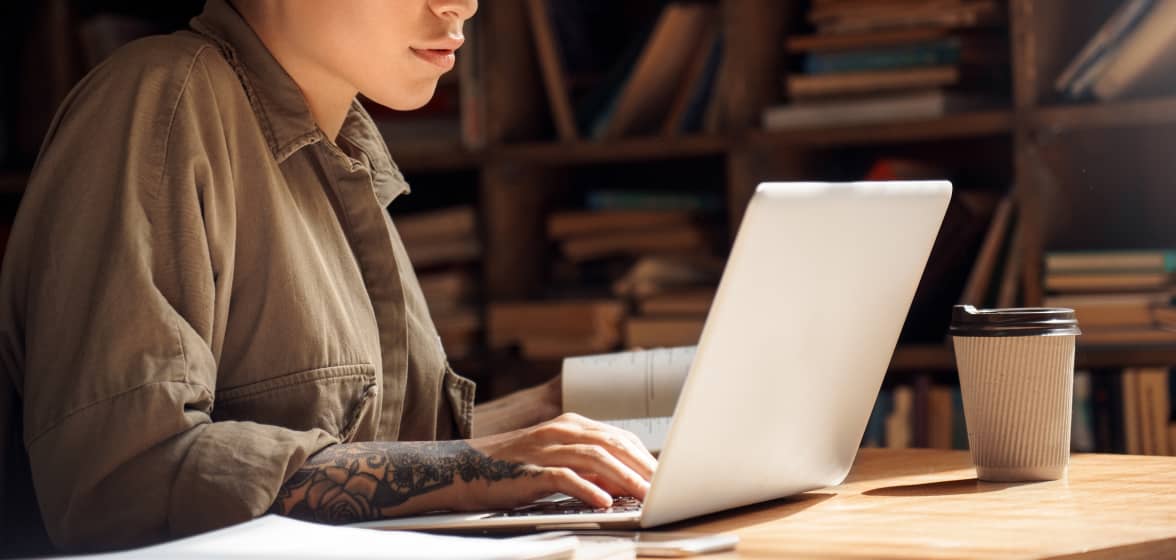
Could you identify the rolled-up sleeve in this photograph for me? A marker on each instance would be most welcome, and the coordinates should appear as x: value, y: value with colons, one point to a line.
x: 115, y: 287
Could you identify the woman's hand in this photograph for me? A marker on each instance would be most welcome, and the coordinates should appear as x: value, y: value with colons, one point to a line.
x: 571, y: 454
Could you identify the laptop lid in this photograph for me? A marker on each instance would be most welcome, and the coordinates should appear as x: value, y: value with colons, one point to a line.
x: 798, y: 339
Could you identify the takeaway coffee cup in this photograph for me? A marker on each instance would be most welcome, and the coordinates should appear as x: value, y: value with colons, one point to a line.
x: 1017, y: 379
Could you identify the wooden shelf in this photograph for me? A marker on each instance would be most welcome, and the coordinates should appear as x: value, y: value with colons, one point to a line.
x: 1144, y: 112
x: 434, y: 157
x: 13, y: 182
x: 446, y: 157
x: 456, y: 157
x: 922, y: 357
x: 626, y: 149
x: 915, y: 358
x: 964, y: 125
x: 1125, y: 356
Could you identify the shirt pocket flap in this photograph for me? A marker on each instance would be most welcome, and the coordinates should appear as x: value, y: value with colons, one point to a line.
x: 335, y: 399
x: 460, y: 392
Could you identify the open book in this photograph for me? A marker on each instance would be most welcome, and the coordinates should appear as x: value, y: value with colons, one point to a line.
x: 634, y: 390
x: 272, y: 536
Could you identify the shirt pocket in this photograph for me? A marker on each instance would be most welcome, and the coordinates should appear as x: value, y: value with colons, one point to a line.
x: 335, y: 399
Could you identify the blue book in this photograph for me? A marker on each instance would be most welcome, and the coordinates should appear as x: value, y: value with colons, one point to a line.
x: 959, y: 425
x: 875, y: 435
x: 938, y: 53
x: 700, y: 97
x: 608, y: 199
x: 1118, y: 260
x: 1172, y: 400
x: 595, y: 109
x: 1107, y: 411
x: 1082, y: 438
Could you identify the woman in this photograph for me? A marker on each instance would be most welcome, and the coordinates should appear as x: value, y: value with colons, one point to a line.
x: 208, y: 314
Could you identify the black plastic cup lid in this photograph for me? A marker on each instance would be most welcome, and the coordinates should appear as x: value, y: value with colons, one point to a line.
x: 1020, y: 321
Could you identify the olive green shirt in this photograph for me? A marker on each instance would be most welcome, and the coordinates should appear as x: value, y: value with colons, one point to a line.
x: 202, y: 290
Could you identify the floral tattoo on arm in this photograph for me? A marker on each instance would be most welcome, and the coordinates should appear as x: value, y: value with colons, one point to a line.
x: 357, y: 481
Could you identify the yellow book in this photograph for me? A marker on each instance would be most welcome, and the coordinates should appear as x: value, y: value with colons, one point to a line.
x: 1131, y: 428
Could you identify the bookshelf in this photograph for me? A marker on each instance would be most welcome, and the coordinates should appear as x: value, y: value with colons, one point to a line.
x: 959, y: 126
x: 1043, y: 35
x: 1118, y: 114
x: 914, y: 359
x: 521, y: 170
x: 625, y: 149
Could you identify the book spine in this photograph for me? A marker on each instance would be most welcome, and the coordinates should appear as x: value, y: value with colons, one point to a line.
x: 920, y: 415
x: 1104, y: 40
x: 1082, y: 439
x: 959, y: 424
x: 1107, y: 404
x: 875, y: 434
x: 932, y: 54
x: 628, y: 200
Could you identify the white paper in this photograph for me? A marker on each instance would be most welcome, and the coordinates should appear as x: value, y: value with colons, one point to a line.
x: 652, y: 431
x: 283, y: 538
x: 639, y: 384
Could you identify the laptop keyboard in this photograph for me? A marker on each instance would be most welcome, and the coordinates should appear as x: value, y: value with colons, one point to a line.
x: 572, y: 506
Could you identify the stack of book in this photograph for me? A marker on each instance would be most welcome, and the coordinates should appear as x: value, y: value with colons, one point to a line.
x: 1127, y: 411
x: 552, y: 330
x: 919, y: 415
x: 661, y: 263
x: 665, y: 82
x: 1119, y: 297
x: 1132, y: 55
x: 444, y: 248
x: 590, y: 235
x: 670, y: 297
x: 632, y: 269
x: 892, y: 60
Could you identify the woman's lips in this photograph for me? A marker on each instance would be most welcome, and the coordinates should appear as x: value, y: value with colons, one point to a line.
x: 441, y: 58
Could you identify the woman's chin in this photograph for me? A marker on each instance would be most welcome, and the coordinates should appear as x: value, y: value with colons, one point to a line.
x: 405, y: 100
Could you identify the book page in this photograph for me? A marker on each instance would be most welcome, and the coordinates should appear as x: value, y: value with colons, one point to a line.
x: 638, y: 384
x: 272, y: 536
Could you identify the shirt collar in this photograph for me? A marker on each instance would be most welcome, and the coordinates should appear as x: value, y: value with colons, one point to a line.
x: 281, y: 109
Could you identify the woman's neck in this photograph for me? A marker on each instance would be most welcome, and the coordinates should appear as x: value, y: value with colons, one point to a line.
x: 327, y: 94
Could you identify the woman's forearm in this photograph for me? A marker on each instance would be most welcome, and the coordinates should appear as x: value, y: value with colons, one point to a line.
x: 354, y: 482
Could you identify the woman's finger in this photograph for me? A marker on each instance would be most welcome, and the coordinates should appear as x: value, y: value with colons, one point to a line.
x: 603, y: 484
x: 566, y: 481
x: 593, y: 459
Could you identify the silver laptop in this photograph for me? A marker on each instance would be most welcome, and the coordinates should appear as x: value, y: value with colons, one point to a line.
x: 791, y: 359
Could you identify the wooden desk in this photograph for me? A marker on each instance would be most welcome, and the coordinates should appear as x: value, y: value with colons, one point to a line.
x: 928, y: 504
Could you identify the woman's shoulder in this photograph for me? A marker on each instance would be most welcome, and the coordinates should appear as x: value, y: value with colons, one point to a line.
x: 162, y: 60
x: 141, y: 87
x: 146, y: 97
